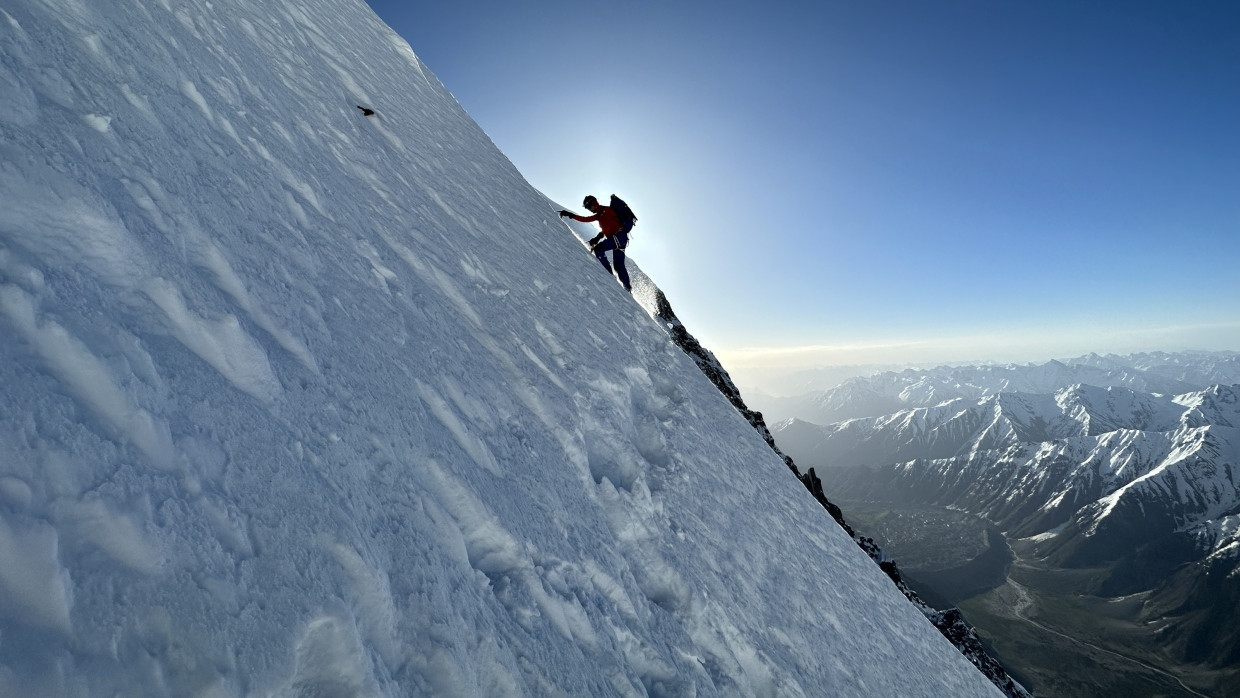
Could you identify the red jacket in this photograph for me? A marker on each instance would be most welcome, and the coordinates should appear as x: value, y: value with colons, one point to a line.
x: 607, y: 219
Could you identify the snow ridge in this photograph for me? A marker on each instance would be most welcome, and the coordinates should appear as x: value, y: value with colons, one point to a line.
x: 950, y: 623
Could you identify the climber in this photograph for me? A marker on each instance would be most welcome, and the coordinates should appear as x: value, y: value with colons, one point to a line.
x: 612, y: 237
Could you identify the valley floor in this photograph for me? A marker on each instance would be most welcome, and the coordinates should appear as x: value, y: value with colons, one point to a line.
x: 1052, y: 638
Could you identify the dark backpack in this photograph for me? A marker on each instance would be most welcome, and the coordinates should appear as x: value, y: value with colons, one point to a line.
x: 628, y: 219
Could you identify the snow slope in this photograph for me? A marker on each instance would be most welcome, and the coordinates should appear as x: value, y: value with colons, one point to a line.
x: 295, y: 401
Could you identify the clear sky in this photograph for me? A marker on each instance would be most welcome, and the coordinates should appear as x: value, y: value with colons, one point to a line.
x: 865, y: 182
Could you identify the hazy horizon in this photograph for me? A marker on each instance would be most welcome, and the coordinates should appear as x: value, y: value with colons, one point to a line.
x: 762, y: 370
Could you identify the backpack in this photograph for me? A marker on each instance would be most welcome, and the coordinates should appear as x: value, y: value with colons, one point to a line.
x: 628, y: 219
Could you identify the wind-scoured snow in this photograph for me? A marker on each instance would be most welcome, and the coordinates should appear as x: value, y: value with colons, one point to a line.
x: 297, y: 401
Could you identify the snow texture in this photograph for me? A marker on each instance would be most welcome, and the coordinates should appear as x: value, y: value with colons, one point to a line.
x: 296, y: 401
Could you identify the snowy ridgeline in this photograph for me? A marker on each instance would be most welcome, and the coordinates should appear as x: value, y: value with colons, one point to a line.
x: 297, y: 401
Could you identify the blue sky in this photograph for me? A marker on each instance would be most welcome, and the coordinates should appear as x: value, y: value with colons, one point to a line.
x: 893, y: 182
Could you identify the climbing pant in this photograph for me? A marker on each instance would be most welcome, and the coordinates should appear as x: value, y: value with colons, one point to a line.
x: 616, y: 244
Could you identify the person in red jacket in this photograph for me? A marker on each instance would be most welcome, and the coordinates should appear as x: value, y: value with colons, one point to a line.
x: 612, y: 237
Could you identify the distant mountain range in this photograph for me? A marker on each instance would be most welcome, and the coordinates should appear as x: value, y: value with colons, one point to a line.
x: 892, y: 391
x: 1124, y: 463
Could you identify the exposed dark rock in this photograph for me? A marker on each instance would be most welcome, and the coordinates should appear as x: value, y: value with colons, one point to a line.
x: 956, y: 629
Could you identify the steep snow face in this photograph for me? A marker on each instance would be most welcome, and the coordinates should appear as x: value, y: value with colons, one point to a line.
x: 300, y: 401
